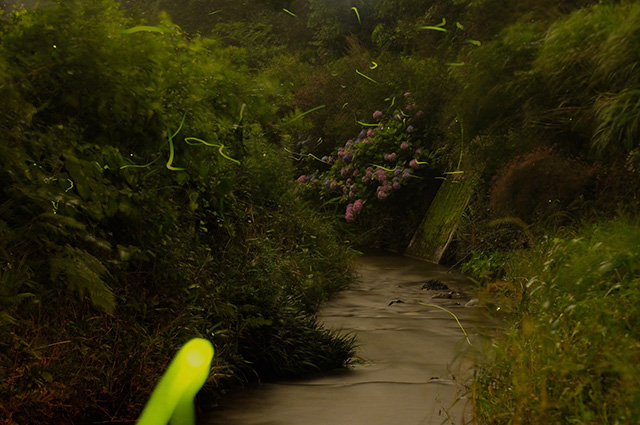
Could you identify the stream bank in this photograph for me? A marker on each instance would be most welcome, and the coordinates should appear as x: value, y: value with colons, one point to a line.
x: 413, y: 360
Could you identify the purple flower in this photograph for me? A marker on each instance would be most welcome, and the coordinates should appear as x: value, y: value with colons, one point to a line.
x: 340, y: 152
x: 407, y: 94
x: 348, y: 215
x: 390, y: 157
x: 333, y: 185
x: 347, y: 158
x: 418, y: 151
x: 344, y: 173
x: 325, y: 158
x: 381, y: 193
x: 404, y: 145
x: 362, y: 134
x: 406, y: 173
x: 357, y: 206
x: 302, y: 179
x: 410, y: 129
x: 381, y: 175
x: 377, y: 115
x: 370, y: 132
x: 414, y: 164
x: 397, y: 171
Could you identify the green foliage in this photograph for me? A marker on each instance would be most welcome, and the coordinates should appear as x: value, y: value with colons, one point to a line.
x: 136, y: 173
x: 83, y: 272
x: 574, y: 326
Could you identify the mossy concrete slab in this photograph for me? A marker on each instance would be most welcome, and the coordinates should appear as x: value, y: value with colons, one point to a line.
x: 439, y: 224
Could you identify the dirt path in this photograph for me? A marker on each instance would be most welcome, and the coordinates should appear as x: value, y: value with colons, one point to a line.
x: 414, y: 358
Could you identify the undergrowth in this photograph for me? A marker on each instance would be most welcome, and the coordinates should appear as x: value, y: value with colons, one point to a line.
x: 570, y: 354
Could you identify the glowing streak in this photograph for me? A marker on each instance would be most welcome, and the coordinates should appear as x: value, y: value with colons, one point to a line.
x: 357, y: 14
x: 374, y: 65
x: 215, y: 11
x: 368, y: 78
x: 431, y: 27
x: 171, y: 153
x: 459, y: 25
x: 220, y: 147
x: 383, y: 168
x: 290, y: 12
x: 172, y: 399
x: 139, y: 166
x: 366, y: 124
x: 70, y: 187
x: 302, y: 155
x: 454, y: 63
x: 393, y: 101
x: 453, y: 172
x: 454, y: 316
x: 474, y: 42
x: 303, y: 114
x: 143, y: 28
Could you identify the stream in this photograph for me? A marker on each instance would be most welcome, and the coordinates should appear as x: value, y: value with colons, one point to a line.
x: 413, y: 361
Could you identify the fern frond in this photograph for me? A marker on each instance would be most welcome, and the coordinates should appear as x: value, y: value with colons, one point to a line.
x: 83, y: 272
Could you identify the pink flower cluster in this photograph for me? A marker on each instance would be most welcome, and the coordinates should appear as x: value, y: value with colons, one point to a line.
x: 352, y: 210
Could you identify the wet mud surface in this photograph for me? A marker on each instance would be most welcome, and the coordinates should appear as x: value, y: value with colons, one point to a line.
x: 413, y: 360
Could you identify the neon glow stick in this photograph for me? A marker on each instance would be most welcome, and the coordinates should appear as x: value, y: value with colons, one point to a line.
x: 172, y: 399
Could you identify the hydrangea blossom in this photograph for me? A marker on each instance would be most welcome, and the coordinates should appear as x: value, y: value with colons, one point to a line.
x: 357, y: 206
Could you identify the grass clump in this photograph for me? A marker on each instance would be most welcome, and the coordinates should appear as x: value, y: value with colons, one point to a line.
x: 571, y: 352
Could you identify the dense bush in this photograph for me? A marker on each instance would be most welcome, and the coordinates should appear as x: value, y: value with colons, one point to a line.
x: 542, y: 181
x: 140, y: 206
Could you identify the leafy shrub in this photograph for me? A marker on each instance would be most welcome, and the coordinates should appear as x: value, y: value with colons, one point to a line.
x: 539, y: 181
x: 376, y: 175
x: 139, y: 200
x: 570, y: 352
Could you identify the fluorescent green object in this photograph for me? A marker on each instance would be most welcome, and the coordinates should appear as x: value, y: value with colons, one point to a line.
x: 172, y: 399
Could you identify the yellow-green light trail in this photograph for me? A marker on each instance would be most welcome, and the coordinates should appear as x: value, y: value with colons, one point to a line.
x: 172, y: 399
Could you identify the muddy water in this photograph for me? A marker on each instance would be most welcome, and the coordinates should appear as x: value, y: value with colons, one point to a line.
x: 413, y: 359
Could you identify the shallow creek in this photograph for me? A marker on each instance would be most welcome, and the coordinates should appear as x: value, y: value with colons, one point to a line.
x: 413, y: 360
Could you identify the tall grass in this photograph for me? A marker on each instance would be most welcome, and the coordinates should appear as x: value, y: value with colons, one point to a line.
x: 571, y: 353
